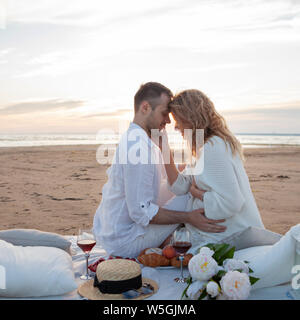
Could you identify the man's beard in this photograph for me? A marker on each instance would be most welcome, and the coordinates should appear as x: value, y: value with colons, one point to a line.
x: 151, y: 124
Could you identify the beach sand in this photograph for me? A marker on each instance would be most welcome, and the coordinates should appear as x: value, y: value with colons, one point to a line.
x: 58, y: 188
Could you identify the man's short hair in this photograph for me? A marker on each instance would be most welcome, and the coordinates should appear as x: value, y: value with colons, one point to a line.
x: 150, y: 92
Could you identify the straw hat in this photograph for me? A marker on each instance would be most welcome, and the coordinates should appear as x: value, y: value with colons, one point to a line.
x: 114, y: 277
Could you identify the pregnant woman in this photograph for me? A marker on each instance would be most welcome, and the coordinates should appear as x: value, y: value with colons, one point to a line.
x: 221, y: 186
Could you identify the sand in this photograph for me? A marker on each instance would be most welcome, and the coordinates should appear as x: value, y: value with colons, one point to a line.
x: 58, y: 188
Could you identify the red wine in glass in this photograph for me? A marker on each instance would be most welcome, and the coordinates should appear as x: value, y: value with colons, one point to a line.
x: 86, y: 245
x: 182, y: 247
x: 181, y: 241
x: 86, y: 242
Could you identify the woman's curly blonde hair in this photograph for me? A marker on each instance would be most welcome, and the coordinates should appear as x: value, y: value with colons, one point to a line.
x: 194, y: 106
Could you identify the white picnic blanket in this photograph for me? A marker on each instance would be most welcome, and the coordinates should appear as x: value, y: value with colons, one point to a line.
x: 168, y: 288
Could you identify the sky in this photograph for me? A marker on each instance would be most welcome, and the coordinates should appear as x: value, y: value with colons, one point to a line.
x: 73, y: 66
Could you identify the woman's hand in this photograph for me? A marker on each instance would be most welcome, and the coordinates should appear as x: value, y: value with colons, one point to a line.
x: 196, y: 192
x: 181, y: 167
x: 160, y: 138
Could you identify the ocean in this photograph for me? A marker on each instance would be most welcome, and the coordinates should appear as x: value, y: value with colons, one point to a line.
x: 248, y: 140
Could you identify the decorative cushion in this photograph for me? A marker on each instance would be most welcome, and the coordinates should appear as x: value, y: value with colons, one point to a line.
x: 35, y: 271
x: 32, y: 237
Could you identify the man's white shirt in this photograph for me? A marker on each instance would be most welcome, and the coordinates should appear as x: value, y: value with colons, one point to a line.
x: 130, y: 196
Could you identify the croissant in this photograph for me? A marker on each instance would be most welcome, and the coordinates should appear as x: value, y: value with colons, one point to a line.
x: 175, y: 262
x: 153, y: 259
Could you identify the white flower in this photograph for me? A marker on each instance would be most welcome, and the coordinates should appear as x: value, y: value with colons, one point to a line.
x: 202, y: 267
x: 213, y: 289
x: 195, y: 289
x: 235, y: 285
x: 220, y: 268
x: 234, y: 264
x: 222, y: 297
x: 206, y: 251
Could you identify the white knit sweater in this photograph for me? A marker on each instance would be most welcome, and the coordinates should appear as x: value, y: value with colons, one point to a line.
x: 228, y: 195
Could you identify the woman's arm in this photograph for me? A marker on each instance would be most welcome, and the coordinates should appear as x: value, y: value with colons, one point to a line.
x: 171, y: 169
x: 196, y: 192
x: 225, y: 199
x: 178, y: 183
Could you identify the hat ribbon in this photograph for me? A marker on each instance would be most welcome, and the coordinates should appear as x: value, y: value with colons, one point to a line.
x: 118, y: 286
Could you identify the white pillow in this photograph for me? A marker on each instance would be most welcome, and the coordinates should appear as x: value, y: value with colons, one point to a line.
x: 35, y: 271
x: 33, y: 237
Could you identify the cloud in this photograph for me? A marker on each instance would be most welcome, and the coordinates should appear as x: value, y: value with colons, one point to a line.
x: 119, y: 29
x: 276, y: 118
x: 4, y: 53
x: 115, y: 113
x: 3, y: 16
x: 40, y: 106
x: 290, y: 109
x: 91, y: 15
x: 52, y: 64
x: 207, y: 14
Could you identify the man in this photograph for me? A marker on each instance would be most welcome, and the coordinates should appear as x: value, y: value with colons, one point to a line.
x: 129, y: 218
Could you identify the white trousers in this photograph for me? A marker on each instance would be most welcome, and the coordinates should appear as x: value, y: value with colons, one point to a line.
x: 155, y: 233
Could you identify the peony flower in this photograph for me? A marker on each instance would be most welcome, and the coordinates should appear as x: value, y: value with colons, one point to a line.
x: 235, y: 285
x: 195, y: 289
x: 234, y: 264
x: 206, y: 251
x: 220, y: 268
x: 222, y: 297
x: 213, y: 289
x: 202, y: 267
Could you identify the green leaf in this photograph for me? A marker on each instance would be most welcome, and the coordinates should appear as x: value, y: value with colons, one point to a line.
x: 228, y: 255
x: 220, y: 252
x: 189, y: 282
x: 209, y: 245
x: 250, y: 270
x: 253, y: 280
x: 217, y: 278
x: 221, y: 273
x: 220, y: 246
x: 203, y: 295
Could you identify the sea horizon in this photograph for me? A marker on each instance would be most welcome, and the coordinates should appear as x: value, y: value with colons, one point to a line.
x: 248, y: 140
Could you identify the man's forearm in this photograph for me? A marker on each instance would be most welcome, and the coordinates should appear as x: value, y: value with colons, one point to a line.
x: 165, y: 216
x: 195, y: 218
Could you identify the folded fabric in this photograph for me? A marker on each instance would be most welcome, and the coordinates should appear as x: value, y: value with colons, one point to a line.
x: 35, y: 271
x: 274, y: 267
x: 251, y: 253
x: 273, y: 263
x: 252, y: 237
x: 32, y: 237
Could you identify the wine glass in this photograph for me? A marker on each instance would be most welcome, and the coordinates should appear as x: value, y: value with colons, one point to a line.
x: 86, y: 241
x: 181, y: 241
